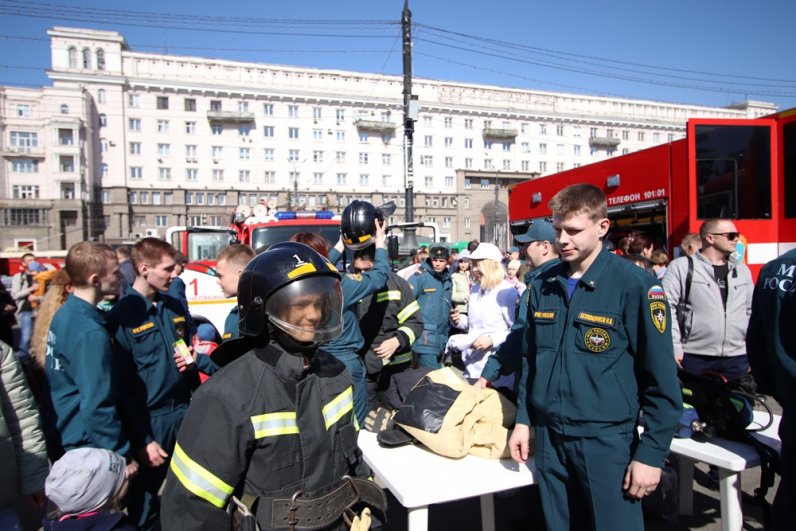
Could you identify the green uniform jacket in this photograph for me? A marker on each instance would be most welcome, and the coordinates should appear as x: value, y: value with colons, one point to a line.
x: 232, y: 324
x: 433, y: 292
x: 144, y: 333
x: 771, y: 338
x: 594, y: 361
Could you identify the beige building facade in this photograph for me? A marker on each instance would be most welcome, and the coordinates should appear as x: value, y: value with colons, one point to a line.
x: 162, y: 140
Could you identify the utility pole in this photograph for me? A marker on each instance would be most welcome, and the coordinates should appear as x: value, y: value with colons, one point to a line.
x: 410, y: 115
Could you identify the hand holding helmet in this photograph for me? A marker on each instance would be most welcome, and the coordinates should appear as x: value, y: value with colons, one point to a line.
x: 361, y: 225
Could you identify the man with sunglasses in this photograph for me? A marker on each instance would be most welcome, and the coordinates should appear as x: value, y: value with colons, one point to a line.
x: 710, y: 319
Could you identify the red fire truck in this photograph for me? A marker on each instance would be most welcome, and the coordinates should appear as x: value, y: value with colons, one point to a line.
x: 254, y: 227
x: 744, y: 170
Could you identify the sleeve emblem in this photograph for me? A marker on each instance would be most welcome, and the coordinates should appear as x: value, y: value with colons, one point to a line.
x: 658, y: 315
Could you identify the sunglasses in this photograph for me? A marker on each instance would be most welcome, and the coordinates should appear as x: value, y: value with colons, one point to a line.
x: 728, y: 235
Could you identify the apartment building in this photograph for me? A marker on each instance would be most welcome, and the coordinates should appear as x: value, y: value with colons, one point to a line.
x: 161, y: 140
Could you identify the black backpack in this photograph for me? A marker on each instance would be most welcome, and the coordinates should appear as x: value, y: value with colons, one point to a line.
x: 726, y: 409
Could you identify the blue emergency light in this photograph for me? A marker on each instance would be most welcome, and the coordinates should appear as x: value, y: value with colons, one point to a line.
x: 321, y: 214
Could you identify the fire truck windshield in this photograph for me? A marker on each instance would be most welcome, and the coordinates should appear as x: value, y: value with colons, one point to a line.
x: 264, y: 237
x: 207, y: 245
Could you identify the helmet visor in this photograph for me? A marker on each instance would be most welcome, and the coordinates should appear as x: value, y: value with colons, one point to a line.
x: 310, y: 310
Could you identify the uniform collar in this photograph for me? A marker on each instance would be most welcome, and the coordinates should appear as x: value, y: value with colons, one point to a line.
x: 285, y: 365
x: 443, y: 275
x: 149, y: 305
x: 86, y: 309
x: 592, y: 276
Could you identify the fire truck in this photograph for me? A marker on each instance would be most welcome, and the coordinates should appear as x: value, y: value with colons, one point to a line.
x: 256, y: 227
x: 741, y: 169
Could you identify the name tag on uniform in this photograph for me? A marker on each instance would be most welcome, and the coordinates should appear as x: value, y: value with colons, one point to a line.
x: 143, y: 328
x: 227, y: 336
x: 544, y: 315
x: 176, y: 320
x: 593, y: 318
x: 429, y: 290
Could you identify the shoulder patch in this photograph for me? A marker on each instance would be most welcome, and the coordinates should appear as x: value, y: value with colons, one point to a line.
x: 354, y: 276
x: 658, y: 315
x: 656, y: 292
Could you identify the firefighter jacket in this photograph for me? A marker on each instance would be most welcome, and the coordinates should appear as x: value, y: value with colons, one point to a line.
x: 390, y: 312
x: 595, y: 359
x: 231, y: 324
x: 265, y: 427
x: 433, y: 293
x: 355, y: 286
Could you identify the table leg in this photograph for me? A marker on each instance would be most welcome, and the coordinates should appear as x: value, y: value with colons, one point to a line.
x: 730, y: 496
x: 685, y: 480
x: 417, y: 519
x: 487, y: 512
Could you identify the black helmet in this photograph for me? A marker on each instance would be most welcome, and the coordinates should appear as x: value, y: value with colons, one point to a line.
x: 294, y: 288
x: 358, y: 224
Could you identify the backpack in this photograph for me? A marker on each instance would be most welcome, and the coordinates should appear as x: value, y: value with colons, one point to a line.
x: 726, y: 409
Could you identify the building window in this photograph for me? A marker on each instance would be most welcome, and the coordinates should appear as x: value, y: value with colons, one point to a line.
x: 449, y: 181
x: 363, y: 137
x: 72, y: 57
x: 66, y: 137
x: 24, y: 166
x: 340, y: 115
x: 156, y: 198
x: 244, y: 176
x: 542, y: 129
x: 244, y: 153
x: 468, y: 183
x: 102, y: 97
x: 363, y: 158
x: 216, y: 129
x: 25, y: 192
x: 428, y: 121
x: 164, y: 150
x: 293, y: 111
x: 293, y: 155
x: 163, y: 126
x: 192, y: 174
x: 162, y: 103
x: 243, y: 106
x: 161, y: 220
x: 340, y: 135
x: 100, y: 53
x: 386, y: 159
x: 427, y: 160
x: 244, y: 130
x: 268, y: 153
x: 218, y: 175
x: 66, y: 163
x: 576, y: 150
x: 164, y: 174
x: 559, y: 166
x: 542, y: 149
x: 484, y: 183
x: 364, y: 179
x: 268, y: 131
x: 592, y: 132
x: 525, y: 165
x: 317, y: 134
x: 506, y: 165
x: 468, y: 163
x: 428, y: 180
x: 217, y: 151
x: 189, y: 104
x: 293, y: 133
x: 269, y: 177
x: 168, y: 198
x: 136, y: 172
x: 103, y: 145
x: 215, y: 105
x: 560, y: 130
x: 488, y: 164
x: 317, y: 178
x: 542, y: 166
x: 317, y: 156
x: 641, y: 136
x: 86, y: 58
x: 190, y: 128
x: 506, y: 146
x: 134, y: 101
x: 428, y: 141
x: 64, y: 108
x: 268, y: 109
x: 339, y: 157
x: 316, y: 113
x: 341, y: 178
x: 449, y: 162
x: 103, y: 120
x: 23, y: 140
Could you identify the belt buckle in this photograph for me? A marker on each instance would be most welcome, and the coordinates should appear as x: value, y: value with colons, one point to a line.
x: 349, y: 514
x: 293, y: 508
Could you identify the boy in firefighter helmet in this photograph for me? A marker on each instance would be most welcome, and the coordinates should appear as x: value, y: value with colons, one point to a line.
x: 278, y: 421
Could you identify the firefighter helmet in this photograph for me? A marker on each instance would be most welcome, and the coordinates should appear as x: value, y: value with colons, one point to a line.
x: 295, y: 289
x: 358, y: 224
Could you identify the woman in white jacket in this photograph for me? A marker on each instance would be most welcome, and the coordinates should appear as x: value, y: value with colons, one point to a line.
x: 490, y: 314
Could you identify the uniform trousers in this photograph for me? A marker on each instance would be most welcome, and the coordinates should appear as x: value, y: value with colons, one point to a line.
x: 784, y: 511
x: 581, y: 478
x: 428, y: 359
x: 143, y: 502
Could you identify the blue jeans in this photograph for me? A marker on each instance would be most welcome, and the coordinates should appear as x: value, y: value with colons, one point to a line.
x: 9, y: 519
x: 25, y: 333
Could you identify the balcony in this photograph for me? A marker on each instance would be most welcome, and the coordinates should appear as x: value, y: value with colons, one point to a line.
x: 603, y: 142
x: 31, y: 152
x: 501, y: 134
x: 375, y: 126
x: 234, y: 117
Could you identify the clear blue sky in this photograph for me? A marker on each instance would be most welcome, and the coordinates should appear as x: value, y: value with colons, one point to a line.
x: 736, y: 49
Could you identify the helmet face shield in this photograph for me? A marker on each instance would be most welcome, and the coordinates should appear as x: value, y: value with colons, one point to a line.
x: 310, y: 310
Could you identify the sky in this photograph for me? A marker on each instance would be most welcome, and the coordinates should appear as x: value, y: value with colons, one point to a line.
x: 701, y: 52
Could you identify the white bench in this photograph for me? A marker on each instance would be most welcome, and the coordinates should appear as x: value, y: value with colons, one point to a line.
x: 418, y: 478
x: 731, y: 458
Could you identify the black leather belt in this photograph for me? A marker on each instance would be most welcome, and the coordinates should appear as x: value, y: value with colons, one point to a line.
x: 306, y: 513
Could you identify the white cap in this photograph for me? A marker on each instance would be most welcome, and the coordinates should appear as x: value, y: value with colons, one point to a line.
x: 487, y: 251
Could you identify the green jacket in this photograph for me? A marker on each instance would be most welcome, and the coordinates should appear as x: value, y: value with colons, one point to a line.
x: 593, y: 362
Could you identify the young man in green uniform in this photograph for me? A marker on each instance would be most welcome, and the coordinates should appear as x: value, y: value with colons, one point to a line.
x: 83, y: 373
x: 145, y: 324
x: 433, y: 288
x: 599, y: 351
x: 229, y: 266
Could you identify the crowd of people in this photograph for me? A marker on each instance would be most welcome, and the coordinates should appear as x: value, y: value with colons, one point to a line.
x: 125, y: 391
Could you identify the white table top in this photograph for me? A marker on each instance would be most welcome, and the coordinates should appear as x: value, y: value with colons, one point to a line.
x: 730, y: 455
x: 418, y: 477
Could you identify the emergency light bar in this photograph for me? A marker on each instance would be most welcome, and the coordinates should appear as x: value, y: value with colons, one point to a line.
x: 321, y: 214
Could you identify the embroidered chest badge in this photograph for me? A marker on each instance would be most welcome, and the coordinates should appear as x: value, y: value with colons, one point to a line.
x: 597, y: 340
x: 658, y: 314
